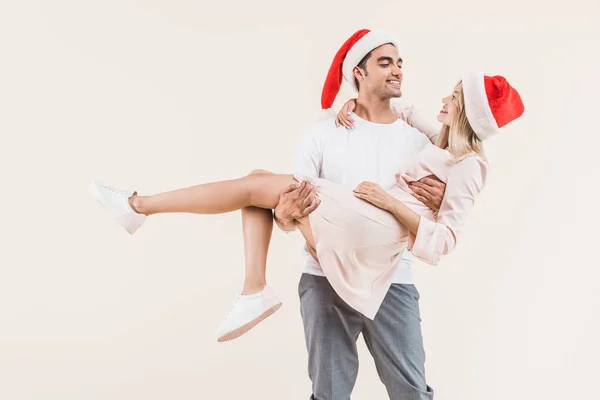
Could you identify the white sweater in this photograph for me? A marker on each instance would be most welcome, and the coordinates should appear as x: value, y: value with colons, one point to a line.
x: 369, y: 152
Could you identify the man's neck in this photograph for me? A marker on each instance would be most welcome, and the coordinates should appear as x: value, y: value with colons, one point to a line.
x: 374, y: 109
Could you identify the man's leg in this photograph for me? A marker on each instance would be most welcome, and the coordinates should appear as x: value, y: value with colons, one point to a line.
x: 394, y: 339
x: 331, y: 329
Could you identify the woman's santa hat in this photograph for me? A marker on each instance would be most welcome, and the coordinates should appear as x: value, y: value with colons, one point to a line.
x: 348, y: 56
x: 490, y: 103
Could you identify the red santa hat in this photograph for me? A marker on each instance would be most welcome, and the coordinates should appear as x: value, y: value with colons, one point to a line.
x: 348, y: 56
x: 490, y: 103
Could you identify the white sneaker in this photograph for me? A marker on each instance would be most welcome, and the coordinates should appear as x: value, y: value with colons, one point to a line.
x: 116, y: 202
x: 246, y: 313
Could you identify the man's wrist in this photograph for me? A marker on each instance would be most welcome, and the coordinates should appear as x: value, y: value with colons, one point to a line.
x: 281, y: 221
x: 437, y: 205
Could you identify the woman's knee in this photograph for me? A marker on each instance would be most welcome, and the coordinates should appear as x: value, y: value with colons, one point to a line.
x: 259, y: 171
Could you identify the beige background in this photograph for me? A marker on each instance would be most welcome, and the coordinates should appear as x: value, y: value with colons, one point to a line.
x: 155, y: 95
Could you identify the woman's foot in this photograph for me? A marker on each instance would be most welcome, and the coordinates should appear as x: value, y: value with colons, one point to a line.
x: 247, y: 312
x: 118, y: 203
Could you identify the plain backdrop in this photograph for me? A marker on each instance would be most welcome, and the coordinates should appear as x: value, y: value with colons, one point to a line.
x: 155, y: 95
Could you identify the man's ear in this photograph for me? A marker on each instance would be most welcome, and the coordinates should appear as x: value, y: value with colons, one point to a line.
x: 359, y: 74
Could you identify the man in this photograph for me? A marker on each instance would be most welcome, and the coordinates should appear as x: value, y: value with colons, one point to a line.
x: 379, y: 146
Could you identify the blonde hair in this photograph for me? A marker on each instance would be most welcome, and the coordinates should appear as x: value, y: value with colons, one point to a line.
x: 459, y: 138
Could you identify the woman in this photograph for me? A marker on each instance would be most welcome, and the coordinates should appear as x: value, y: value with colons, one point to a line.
x: 357, y: 235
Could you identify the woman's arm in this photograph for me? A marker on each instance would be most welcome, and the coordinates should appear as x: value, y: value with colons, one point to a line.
x: 376, y: 195
x: 405, y: 215
x: 412, y: 116
x: 405, y: 112
x: 343, y: 117
x: 429, y: 240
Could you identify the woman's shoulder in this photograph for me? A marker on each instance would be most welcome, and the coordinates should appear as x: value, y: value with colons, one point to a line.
x: 472, y: 166
x: 475, y: 160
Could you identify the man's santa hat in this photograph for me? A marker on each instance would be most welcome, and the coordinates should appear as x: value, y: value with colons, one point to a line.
x: 490, y: 103
x: 348, y: 56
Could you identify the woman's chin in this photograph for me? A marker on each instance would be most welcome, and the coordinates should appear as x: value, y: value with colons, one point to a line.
x: 443, y: 118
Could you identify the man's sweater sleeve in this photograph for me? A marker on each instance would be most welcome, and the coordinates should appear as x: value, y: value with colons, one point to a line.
x: 307, y: 160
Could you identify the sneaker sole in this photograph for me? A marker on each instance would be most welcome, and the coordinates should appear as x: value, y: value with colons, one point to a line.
x: 245, y: 328
x: 108, y: 206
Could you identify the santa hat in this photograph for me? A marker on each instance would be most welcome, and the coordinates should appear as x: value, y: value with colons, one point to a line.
x: 490, y: 103
x: 348, y: 57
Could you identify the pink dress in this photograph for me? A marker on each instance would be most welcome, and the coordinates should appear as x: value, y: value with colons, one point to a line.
x: 357, y: 244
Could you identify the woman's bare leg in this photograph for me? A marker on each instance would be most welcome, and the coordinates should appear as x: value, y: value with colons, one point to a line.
x: 306, y: 230
x: 259, y: 190
x: 248, y: 311
x: 256, y: 194
x: 257, y: 227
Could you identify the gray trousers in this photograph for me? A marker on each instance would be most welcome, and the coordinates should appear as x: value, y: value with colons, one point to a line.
x: 331, y: 329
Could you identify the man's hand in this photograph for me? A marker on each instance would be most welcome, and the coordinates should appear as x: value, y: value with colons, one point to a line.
x: 295, y: 202
x: 429, y: 190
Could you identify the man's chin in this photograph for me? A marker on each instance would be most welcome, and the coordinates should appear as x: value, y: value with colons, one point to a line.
x: 395, y: 94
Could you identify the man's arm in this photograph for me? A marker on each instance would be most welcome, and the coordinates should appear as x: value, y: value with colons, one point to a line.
x: 429, y: 190
x: 434, y: 239
x: 297, y: 201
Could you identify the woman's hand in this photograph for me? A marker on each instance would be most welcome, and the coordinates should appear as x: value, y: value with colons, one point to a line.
x: 343, y: 117
x: 374, y: 194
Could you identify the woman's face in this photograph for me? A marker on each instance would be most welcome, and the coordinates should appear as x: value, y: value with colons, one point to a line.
x: 450, y: 107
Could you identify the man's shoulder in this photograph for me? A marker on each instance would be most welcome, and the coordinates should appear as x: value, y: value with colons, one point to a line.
x: 405, y: 126
x: 411, y: 133
x: 323, y: 125
x: 321, y: 128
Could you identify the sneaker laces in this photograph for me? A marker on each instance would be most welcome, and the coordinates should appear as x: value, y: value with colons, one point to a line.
x: 115, y: 190
x: 237, y: 299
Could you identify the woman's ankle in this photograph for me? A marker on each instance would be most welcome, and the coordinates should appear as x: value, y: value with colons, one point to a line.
x: 253, y: 287
x: 136, y: 204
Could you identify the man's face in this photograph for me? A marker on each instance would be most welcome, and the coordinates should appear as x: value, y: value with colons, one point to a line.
x: 383, y: 75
